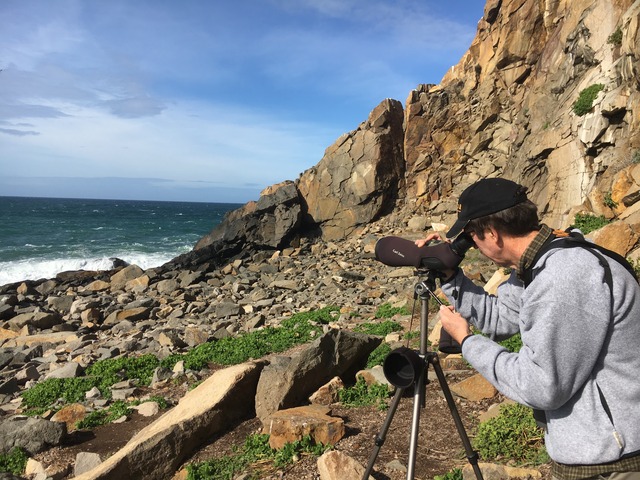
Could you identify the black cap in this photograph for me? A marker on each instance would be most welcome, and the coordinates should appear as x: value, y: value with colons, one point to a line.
x: 486, y: 196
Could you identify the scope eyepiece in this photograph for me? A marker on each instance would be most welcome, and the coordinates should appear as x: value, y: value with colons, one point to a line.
x: 462, y: 243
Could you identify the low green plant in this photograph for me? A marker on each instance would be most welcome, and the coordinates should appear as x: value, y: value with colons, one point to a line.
x: 585, y: 100
x: 635, y: 264
x: 608, y: 201
x: 363, y: 395
x: 287, y: 454
x: 297, y: 329
x: 387, y: 310
x: 455, y: 474
x: 411, y: 335
x: 254, y: 459
x: 103, y: 374
x: 113, y: 370
x: 378, y: 355
x: 14, y: 461
x: 161, y: 401
x: 381, y: 329
x: 513, y: 435
x: 616, y: 37
x: 635, y: 158
x: 588, y: 223
x: 293, y: 331
x: 101, y: 417
x: 45, y: 394
x: 513, y: 344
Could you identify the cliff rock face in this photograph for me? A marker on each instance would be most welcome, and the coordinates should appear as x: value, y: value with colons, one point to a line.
x: 508, y: 108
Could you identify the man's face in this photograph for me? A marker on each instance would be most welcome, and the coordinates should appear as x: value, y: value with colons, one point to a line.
x: 491, y: 247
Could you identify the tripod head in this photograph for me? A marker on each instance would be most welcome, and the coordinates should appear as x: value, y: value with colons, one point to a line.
x: 403, y: 366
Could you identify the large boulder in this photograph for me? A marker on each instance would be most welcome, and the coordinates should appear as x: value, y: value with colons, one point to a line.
x: 359, y: 176
x: 289, y: 381
x: 158, y: 449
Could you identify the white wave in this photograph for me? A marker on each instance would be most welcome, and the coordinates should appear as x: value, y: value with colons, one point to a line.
x: 18, y: 271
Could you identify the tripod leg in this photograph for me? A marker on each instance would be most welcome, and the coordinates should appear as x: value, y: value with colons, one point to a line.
x: 418, y: 403
x: 472, y: 455
x: 382, y: 435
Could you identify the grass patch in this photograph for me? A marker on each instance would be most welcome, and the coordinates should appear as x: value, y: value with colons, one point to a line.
x: 114, y: 370
x: 608, y: 201
x: 513, y: 344
x: 387, y: 310
x: 511, y: 435
x: 299, y: 328
x: 103, y: 374
x: 14, y: 462
x: 455, y: 474
x: 55, y: 392
x: 380, y: 329
x: 363, y: 395
x: 378, y: 355
x: 46, y: 394
x: 255, y: 458
x: 101, y: 417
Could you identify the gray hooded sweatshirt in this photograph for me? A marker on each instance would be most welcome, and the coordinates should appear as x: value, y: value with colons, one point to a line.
x: 580, y: 360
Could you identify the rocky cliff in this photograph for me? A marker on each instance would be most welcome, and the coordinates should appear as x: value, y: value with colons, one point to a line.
x: 516, y: 105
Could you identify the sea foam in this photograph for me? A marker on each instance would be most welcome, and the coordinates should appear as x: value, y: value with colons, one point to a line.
x: 16, y: 271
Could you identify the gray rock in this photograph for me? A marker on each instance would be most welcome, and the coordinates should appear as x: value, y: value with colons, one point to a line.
x: 86, y: 461
x: 32, y: 434
x: 68, y: 370
x: 288, y: 383
x: 228, y: 309
x: 39, y: 320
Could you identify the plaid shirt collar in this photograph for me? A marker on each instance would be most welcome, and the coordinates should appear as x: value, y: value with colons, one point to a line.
x: 529, y: 255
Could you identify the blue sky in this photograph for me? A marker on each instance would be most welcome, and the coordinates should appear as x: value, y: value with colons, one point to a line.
x: 201, y: 100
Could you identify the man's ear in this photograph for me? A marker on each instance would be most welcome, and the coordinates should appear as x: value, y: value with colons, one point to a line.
x: 495, y: 235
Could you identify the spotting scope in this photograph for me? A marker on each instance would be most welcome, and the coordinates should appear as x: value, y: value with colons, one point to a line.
x: 400, y: 252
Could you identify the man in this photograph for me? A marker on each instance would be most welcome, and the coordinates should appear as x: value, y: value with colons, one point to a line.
x: 579, y: 320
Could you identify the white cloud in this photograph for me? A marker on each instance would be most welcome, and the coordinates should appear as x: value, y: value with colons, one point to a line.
x: 204, y: 91
x: 187, y: 142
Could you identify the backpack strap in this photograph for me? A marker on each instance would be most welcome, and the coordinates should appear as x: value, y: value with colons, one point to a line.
x: 569, y: 239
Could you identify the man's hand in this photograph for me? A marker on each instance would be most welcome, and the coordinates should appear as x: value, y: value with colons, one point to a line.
x: 423, y: 241
x: 454, y: 324
x: 446, y: 275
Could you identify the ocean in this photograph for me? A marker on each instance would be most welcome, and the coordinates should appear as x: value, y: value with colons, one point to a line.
x: 41, y: 237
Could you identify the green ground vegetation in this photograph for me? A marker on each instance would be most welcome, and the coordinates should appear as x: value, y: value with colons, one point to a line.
x: 55, y: 392
x: 363, y: 395
x: 455, y: 474
x: 387, y: 310
x: 512, y: 435
x: 254, y: 459
x: 14, y: 461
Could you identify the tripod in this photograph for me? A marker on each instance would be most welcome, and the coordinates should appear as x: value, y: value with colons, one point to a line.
x: 406, y: 368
